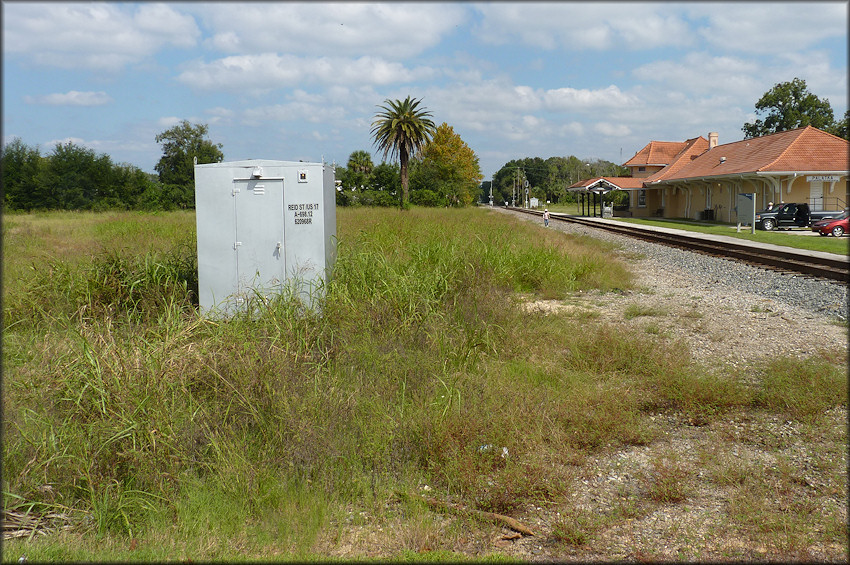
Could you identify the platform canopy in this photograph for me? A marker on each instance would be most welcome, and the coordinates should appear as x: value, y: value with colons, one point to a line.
x: 601, y: 185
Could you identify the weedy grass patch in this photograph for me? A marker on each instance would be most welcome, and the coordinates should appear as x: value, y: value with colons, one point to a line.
x: 802, y: 388
x: 637, y: 310
x: 253, y: 437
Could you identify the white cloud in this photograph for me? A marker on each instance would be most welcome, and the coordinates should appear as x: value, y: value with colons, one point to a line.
x: 500, y: 110
x: 221, y: 112
x: 64, y: 141
x: 169, y: 122
x: 588, y: 25
x: 315, y: 112
x: 612, y: 130
x: 752, y: 27
x: 772, y: 28
x: 164, y: 25
x: 480, y: 106
x: 105, y: 146
x: 745, y: 80
x: 571, y: 99
x: 266, y: 71
x: 701, y: 72
x: 219, y: 115
x: 532, y: 122
x: 71, y: 98
x: 96, y: 36
x: 571, y: 129
x: 382, y: 29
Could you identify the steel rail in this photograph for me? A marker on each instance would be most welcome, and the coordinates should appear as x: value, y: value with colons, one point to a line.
x: 787, y: 261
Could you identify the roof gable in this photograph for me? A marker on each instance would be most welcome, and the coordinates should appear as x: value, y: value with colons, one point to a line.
x: 656, y: 153
x: 692, y: 149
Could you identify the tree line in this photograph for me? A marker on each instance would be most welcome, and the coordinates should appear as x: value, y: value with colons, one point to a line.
x: 430, y: 165
x: 73, y: 177
x: 547, y: 180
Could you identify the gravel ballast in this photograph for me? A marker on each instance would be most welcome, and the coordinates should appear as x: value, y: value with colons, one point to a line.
x: 725, y: 310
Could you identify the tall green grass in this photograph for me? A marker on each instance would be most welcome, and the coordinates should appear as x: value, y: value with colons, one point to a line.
x: 220, y: 439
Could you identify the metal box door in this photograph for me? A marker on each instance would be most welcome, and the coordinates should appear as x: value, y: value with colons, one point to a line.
x: 258, y: 236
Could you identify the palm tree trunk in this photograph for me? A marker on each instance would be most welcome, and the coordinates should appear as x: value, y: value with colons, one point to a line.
x: 405, y: 198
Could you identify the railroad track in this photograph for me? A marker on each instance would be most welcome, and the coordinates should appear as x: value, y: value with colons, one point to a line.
x: 786, y: 260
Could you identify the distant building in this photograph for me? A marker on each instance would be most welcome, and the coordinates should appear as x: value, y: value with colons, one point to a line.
x: 699, y: 178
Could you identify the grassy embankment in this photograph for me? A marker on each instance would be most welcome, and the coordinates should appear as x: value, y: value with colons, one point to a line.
x: 839, y: 245
x: 158, y: 435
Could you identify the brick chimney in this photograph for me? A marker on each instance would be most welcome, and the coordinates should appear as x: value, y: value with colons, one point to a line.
x: 712, y: 139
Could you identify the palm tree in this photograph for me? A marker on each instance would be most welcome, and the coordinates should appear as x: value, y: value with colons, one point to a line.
x: 360, y: 168
x: 402, y: 129
x: 360, y: 161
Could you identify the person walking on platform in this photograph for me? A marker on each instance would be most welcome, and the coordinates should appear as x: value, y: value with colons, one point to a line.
x: 546, y: 217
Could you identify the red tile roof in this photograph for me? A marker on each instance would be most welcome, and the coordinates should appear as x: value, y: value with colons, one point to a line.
x: 692, y: 149
x: 805, y: 149
x: 656, y: 153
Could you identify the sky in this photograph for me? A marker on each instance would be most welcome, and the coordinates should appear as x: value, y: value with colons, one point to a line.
x: 303, y: 81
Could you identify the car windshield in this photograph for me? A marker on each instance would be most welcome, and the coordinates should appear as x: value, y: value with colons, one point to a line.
x: 841, y: 216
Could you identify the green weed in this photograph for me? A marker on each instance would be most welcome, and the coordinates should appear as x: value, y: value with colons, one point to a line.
x: 668, y: 480
x: 574, y: 528
x: 636, y: 310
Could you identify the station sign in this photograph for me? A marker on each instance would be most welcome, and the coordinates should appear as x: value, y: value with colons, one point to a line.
x: 823, y: 178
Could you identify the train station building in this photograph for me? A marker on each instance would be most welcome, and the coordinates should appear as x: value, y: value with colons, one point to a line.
x: 700, y: 179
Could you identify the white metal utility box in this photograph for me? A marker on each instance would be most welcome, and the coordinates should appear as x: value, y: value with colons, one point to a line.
x: 263, y: 225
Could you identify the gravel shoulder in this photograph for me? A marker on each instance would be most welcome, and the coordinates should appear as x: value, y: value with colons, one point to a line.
x: 726, y: 311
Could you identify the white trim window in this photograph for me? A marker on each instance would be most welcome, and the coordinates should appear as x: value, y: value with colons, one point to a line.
x: 641, y: 198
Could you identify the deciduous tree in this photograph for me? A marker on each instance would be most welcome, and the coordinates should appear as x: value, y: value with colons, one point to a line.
x: 180, y: 146
x: 789, y: 105
x: 386, y: 178
x: 840, y: 128
x: 450, y: 167
x: 19, y: 168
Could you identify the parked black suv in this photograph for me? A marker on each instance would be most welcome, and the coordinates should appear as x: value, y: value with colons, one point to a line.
x: 790, y: 215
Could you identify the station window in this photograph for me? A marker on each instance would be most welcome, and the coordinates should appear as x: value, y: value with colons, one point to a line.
x: 642, y: 198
